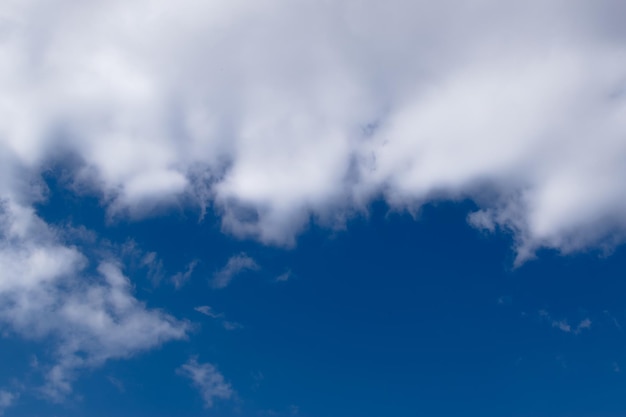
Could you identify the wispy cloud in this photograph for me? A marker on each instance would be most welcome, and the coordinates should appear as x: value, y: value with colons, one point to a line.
x: 179, y: 279
x: 208, y: 311
x: 207, y: 380
x: 226, y: 324
x: 231, y: 325
x: 284, y: 277
x: 235, y: 265
x: 564, y: 325
x: 118, y: 384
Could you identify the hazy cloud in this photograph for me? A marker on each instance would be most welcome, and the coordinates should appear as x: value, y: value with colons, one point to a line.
x: 231, y: 325
x: 7, y: 399
x: 284, y: 277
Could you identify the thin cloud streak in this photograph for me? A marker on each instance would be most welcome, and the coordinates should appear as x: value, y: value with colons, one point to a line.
x: 235, y: 266
x: 209, y: 382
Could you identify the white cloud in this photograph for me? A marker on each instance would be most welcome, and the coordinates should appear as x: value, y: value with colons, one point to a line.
x: 315, y: 108
x: 235, y: 265
x: 226, y: 324
x: 207, y: 380
x: 48, y: 293
x: 154, y: 266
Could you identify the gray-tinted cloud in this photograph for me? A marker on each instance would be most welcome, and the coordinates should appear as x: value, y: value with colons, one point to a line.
x: 226, y: 324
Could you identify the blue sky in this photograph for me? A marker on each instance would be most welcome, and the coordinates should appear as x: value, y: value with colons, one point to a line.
x: 395, y: 315
x: 312, y: 209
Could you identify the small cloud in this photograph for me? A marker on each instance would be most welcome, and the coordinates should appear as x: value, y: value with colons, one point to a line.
x: 235, y: 265
x: 7, y: 399
x: 154, y: 265
x: 180, y: 278
x: 616, y: 367
x: 226, y: 324
x: 584, y: 324
x: 231, y: 325
x: 208, y: 311
x: 284, y: 277
x: 119, y: 385
x: 564, y: 325
x: 207, y: 380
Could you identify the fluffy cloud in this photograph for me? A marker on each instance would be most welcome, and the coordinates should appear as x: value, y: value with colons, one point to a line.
x: 276, y: 111
x: 85, y: 313
x: 207, y: 380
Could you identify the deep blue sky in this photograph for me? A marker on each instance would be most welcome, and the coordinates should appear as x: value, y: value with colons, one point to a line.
x: 393, y: 316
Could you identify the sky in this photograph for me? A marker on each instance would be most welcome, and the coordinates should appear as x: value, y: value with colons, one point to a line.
x: 312, y: 208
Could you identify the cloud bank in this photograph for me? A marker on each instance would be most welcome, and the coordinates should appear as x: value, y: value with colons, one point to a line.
x: 276, y: 111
